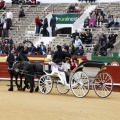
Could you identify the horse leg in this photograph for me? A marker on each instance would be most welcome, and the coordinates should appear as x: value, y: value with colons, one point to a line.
x: 11, y: 81
x: 20, y: 87
x: 31, y: 84
x: 16, y: 82
x: 26, y: 83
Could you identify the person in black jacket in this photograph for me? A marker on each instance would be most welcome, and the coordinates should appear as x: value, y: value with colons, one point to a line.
x: 20, y: 48
x: 66, y: 52
x: 45, y: 25
x: 53, y: 25
x: 58, y: 55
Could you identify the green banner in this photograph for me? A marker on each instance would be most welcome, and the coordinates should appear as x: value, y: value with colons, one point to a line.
x: 68, y: 18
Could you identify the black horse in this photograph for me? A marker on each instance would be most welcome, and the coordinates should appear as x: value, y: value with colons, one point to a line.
x: 14, y: 69
x: 31, y: 69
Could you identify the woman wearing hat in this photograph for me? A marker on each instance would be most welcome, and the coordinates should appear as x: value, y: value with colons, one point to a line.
x: 58, y: 55
x: 74, y: 63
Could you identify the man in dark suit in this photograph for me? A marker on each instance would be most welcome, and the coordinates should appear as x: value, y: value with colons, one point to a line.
x: 45, y: 25
x: 53, y: 25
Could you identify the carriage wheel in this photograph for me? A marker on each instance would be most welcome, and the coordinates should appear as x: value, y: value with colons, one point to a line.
x: 62, y: 89
x: 103, y: 85
x: 45, y: 84
x: 80, y: 84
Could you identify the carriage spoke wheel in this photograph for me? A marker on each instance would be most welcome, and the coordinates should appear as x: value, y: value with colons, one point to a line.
x: 103, y: 85
x: 62, y: 89
x: 45, y: 84
x: 80, y: 84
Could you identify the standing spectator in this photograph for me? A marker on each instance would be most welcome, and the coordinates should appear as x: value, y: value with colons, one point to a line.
x: 53, y: 25
x: 78, y: 42
x: 9, y: 17
x: 45, y: 25
x: 5, y: 29
x: 2, y: 5
x: 38, y: 25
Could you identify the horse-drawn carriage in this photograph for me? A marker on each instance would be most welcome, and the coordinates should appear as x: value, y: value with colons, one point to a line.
x: 88, y: 75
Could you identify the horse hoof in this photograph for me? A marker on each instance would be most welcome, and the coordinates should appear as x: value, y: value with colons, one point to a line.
x: 36, y: 90
x: 23, y: 89
x: 31, y: 90
x: 10, y: 89
x: 19, y: 89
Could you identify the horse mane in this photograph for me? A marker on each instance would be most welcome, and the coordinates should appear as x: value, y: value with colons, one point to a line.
x: 22, y: 57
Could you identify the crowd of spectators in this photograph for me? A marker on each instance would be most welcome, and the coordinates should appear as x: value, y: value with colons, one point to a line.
x: 25, y: 2
x: 75, y: 8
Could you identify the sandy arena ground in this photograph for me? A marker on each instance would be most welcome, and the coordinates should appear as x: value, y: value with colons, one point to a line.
x: 19, y: 105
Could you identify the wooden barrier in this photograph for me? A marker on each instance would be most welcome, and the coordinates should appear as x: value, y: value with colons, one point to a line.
x: 33, y: 58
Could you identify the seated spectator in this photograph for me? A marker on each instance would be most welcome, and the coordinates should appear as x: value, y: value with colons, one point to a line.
x: 88, y: 37
x: 13, y: 49
x: 83, y: 36
x: 2, y: 5
x: 77, y: 8
x: 1, y: 49
x: 86, y: 22
x: 71, y: 48
x: 66, y: 52
x: 74, y: 63
x: 21, y: 13
x: 25, y: 51
x: 71, y: 8
x: 110, y: 21
x: 111, y: 40
x: 92, y: 21
x: 79, y: 51
x: 116, y: 21
x: 76, y: 33
x: 10, y: 42
x: 77, y: 43
x: 41, y: 49
x: 66, y: 68
x: 49, y: 51
x: 103, y: 44
x: 97, y: 48
x: 31, y: 50
x: 6, y: 49
x: 99, y: 20
x: 20, y: 48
